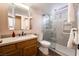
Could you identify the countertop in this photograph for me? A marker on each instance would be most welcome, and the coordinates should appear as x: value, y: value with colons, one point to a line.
x: 11, y: 40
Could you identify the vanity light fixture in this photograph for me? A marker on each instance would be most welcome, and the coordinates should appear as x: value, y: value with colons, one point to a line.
x: 22, y: 5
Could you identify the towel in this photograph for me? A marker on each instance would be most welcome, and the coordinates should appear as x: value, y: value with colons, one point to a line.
x: 72, y: 38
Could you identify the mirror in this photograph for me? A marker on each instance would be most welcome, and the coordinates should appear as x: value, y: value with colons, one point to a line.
x: 17, y: 22
x: 18, y: 18
x: 26, y: 23
x: 19, y: 14
x: 11, y: 17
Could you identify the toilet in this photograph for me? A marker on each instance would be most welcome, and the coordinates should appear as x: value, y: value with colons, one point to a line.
x: 44, y: 46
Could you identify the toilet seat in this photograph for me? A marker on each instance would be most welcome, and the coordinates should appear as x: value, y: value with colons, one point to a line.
x: 45, y: 43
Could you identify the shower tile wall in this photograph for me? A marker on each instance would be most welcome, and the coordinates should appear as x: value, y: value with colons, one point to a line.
x: 47, y: 30
x: 48, y: 33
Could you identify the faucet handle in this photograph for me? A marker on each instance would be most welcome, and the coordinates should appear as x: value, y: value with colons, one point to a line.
x: 22, y: 33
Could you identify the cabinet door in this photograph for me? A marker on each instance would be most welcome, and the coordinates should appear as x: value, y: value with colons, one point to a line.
x: 0, y: 51
x: 30, y: 51
x: 12, y: 53
x: 9, y: 50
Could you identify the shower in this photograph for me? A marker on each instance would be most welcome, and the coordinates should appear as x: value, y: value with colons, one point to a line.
x: 47, y: 29
x: 56, y: 30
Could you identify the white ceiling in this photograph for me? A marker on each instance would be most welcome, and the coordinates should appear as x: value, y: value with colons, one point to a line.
x: 39, y: 7
x: 43, y: 7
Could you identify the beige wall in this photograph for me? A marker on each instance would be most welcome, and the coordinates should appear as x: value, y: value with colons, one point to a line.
x: 37, y: 23
x: 3, y: 18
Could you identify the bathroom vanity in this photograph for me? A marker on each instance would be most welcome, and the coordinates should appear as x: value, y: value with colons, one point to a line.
x: 19, y: 46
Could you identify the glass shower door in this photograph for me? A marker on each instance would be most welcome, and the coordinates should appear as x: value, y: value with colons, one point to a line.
x: 63, y: 32
x: 48, y: 30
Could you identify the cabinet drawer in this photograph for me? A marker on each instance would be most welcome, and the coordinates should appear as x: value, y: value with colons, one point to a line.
x: 8, y: 48
x: 27, y: 43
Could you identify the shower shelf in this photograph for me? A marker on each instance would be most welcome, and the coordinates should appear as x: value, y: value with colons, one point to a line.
x: 53, y: 39
x: 65, y: 33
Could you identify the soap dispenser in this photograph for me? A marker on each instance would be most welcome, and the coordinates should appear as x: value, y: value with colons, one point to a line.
x: 13, y: 34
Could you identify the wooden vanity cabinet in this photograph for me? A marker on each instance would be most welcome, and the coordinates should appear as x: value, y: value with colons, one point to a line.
x: 23, y: 48
x: 28, y: 48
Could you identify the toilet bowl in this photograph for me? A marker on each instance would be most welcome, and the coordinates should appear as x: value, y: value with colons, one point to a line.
x: 45, y: 44
x: 44, y: 47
